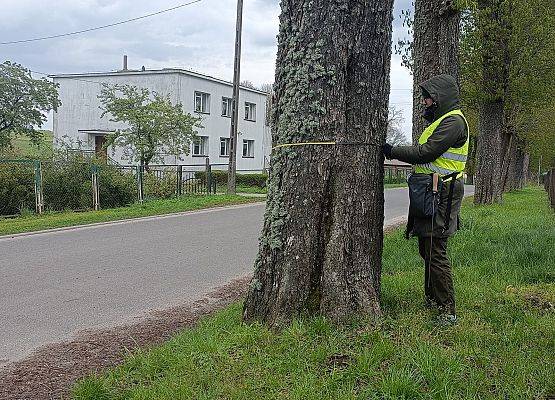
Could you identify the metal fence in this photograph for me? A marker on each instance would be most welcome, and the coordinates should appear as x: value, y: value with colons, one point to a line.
x: 35, y: 186
x: 396, y: 173
x: 79, y: 183
x: 26, y: 184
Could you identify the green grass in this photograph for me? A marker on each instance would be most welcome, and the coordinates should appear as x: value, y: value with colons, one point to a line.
x: 153, y: 207
x: 244, y: 189
x: 23, y: 145
x: 502, y: 348
x: 394, y: 185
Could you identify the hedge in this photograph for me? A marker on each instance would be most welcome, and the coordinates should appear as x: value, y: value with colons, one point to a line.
x: 257, y: 180
x: 66, y: 185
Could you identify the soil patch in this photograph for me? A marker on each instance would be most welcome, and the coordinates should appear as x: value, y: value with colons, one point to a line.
x: 50, y: 372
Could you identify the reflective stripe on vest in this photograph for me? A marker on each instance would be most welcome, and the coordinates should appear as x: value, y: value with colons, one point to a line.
x: 453, y: 160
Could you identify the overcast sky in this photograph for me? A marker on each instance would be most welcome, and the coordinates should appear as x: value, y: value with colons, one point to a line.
x: 199, y: 37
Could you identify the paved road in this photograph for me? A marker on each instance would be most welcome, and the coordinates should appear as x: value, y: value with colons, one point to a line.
x: 54, y: 284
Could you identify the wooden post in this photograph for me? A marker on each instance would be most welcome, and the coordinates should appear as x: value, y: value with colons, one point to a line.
x: 39, y: 202
x: 95, y: 188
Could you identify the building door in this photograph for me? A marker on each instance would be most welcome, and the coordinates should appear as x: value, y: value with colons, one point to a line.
x: 99, y: 149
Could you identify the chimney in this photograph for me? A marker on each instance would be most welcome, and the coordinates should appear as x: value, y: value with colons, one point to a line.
x: 125, y: 63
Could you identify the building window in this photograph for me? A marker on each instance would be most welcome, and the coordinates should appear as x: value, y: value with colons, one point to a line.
x: 227, y: 104
x: 248, y: 148
x: 202, y: 102
x: 250, y: 111
x: 224, y: 147
x: 200, y: 146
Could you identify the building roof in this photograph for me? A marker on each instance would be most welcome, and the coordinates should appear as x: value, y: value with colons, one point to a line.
x: 154, y: 72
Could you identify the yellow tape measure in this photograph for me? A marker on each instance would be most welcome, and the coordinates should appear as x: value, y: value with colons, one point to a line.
x: 279, y: 146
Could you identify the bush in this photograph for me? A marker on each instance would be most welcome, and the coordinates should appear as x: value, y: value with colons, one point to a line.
x: 256, y: 180
x: 160, y: 186
x: 117, y: 188
x: 66, y: 185
x: 17, y: 188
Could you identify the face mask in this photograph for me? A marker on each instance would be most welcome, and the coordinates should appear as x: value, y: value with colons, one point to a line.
x: 430, y: 112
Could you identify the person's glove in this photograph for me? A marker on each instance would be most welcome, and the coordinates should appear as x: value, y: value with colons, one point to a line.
x: 387, y: 150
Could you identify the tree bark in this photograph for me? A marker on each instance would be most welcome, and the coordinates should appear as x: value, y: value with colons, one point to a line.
x: 518, y: 170
x: 321, y: 245
x: 489, y: 155
x: 494, y: 139
x: 525, y: 175
x: 435, y: 50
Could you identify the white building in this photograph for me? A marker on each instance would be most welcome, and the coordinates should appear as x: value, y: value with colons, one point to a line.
x: 79, y: 116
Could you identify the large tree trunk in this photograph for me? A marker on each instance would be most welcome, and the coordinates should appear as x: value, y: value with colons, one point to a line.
x: 508, y: 160
x: 518, y: 169
x: 435, y: 50
x: 493, y: 140
x: 321, y: 245
x: 489, y: 154
x: 525, y: 174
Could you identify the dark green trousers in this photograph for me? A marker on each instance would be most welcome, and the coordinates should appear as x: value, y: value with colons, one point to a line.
x: 438, y: 284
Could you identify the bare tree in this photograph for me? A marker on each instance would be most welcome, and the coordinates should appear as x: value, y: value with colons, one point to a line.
x: 395, y: 135
x: 248, y: 84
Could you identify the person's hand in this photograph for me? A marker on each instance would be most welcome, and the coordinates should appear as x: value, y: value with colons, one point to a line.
x: 387, y: 150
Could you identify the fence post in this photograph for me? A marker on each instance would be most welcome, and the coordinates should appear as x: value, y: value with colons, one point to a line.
x: 95, y: 188
x: 39, y: 201
x: 140, y: 185
x: 179, y: 180
x: 209, y: 177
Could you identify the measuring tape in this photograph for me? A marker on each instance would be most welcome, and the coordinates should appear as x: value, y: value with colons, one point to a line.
x: 325, y: 144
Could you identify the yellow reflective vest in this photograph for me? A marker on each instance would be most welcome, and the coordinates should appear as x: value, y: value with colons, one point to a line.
x: 453, y: 160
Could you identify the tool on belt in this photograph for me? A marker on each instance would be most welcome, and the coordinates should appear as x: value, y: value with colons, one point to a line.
x: 425, y: 196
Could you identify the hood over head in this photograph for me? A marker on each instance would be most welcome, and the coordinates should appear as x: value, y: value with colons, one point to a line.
x: 444, y: 90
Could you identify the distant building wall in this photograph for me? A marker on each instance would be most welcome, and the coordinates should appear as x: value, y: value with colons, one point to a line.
x: 79, y: 116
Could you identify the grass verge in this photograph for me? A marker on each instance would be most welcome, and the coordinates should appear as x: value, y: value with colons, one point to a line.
x: 244, y: 189
x: 502, y: 348
x: 153, y: 207
x: 395, y: 185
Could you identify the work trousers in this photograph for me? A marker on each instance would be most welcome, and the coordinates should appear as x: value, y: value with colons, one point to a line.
x: 438, y: 284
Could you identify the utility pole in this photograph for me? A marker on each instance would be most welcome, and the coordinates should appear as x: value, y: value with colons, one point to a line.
x: 235, y: 111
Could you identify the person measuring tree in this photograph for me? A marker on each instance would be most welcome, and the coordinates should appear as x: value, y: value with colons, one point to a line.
x: 436, y: 188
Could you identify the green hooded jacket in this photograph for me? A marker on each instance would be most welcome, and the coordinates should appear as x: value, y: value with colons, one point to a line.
x: 452, y: 132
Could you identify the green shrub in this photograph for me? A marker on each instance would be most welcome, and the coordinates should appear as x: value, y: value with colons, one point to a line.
x: 159, y: 187
x: 117, y: 188
x: 17, y: 188
x: 256, y: 180
x: 66, y: 185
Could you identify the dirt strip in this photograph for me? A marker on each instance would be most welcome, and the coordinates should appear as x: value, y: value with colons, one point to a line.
x: 50, y: 372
